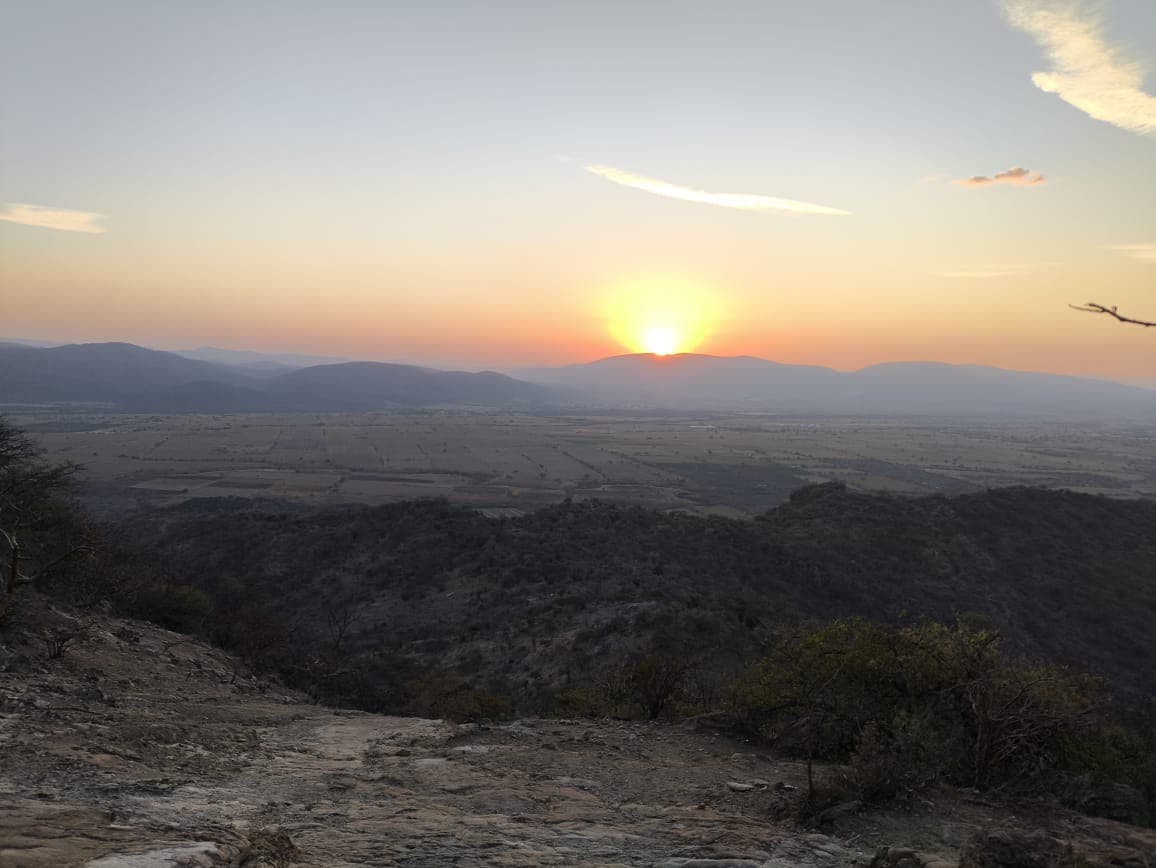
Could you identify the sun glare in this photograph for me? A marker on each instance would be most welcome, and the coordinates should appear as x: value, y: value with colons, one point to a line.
x: 660, y: 341
x: 661, y: 315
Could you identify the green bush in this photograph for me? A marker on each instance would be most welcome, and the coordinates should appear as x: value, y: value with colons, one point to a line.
x: 443, y: 694
x: 896, y: 760
x: 587, y: 700
x: 177, y: 607
x: 904, y: 707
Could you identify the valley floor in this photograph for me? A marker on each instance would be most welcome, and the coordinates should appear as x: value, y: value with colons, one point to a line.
x: 139, y: 748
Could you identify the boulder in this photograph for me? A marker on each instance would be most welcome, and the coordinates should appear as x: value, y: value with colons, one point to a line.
x: 1112, y: 801
x: 1006, y: 849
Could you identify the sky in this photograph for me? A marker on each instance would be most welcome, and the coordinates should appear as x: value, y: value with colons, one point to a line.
x: 524, y: 183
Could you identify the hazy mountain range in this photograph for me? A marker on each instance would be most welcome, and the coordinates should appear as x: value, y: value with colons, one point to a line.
x: 745, y: 383
x: 133, y: 378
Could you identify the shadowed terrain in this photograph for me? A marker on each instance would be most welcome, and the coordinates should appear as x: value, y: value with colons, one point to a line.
x: 521, y: 605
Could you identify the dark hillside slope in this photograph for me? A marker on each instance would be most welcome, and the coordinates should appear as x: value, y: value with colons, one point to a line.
x: 110, y: 372
x: 136, y: 379
x: 520, y: 604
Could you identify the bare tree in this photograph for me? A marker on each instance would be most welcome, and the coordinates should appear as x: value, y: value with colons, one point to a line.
x: 655, y: 682
x: 339, y: 620
x: 1093, y: 307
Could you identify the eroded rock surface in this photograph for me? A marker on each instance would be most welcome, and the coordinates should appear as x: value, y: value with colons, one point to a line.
x: 140, y: 748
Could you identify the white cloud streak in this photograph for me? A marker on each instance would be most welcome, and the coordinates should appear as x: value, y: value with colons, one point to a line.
x: 1143, y: 252
x: 52, y: 218
x: 742, y: 201
x: 1016, y: 177
x: 1087, y: 71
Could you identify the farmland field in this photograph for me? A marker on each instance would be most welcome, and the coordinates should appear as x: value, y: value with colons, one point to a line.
x: 504, y: 464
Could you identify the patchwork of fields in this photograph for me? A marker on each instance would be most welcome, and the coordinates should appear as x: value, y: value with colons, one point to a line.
x: 503, y: 464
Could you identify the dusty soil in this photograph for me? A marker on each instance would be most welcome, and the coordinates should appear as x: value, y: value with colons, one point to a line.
x: 138, y: 747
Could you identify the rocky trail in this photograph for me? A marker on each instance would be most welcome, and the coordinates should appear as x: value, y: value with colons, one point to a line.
x: 138, y: 748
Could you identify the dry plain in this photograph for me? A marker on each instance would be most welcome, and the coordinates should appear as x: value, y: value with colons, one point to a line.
x: 730, y: 465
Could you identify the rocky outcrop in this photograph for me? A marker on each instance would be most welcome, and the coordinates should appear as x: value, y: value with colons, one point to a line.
x: 141, y: 748
x: 1024, y: 849
x: 1017, y: 850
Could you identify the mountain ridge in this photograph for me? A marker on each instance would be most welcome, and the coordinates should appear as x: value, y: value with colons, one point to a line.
x: 137, y: 379
x: 134, y: 378
x: 749, y: 383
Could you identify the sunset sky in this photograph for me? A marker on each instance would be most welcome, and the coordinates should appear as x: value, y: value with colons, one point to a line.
x: 497, y: 184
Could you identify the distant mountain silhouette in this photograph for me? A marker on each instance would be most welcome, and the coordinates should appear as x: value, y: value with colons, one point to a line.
x: 133, y: 378
x: 374, y: 385
x: 138, y: 379
x: 114, y: 373
x: 258, y: 363
x: 744, y: 383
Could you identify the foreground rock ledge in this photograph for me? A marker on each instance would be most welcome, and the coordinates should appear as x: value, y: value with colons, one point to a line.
x: 139, y: 748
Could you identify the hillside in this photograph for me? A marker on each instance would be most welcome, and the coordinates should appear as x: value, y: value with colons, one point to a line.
x: 137, y: 379
x: 522, y: 605
x: 376, y: 385
x: 138, y: 747
x: 116, y: 373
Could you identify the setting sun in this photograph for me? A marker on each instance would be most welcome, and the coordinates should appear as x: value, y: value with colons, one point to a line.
x: 661, y: 315
x: 661, y: 341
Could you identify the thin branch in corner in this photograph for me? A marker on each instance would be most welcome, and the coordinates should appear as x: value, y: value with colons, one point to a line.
x: 1092, y: 307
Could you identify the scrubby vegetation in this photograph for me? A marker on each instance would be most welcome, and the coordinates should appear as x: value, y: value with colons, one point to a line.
x: 899, y: 709
x: 48, y: 543
x: 518, y: 605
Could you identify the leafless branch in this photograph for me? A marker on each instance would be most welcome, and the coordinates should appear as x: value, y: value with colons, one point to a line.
x: 1092, y: 307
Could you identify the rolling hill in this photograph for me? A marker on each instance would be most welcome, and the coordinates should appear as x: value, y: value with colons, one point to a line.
x: 746, y: 384
x: 133, y: 378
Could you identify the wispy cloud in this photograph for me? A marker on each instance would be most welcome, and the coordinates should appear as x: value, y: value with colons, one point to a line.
x: 52, y: 218
x: 1087, y: 71
x: 1017, y: 177
x: 1143, y: 252
x: 742, y: 201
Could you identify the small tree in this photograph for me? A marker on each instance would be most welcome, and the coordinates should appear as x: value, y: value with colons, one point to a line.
x: 655, y: 681
x: 33, y: 514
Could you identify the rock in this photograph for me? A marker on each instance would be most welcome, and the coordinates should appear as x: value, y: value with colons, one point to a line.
x: 715, y: 721
x: 1005, y: 849
x: 737, y: 787
x: 203, y: 854
x: 896, y: 857
x: 904, y: 857
x: 577, y: 783
x: 831, y: 814
x: 268, y: 848
x: 1109, y: 800
x: 708, y: 863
